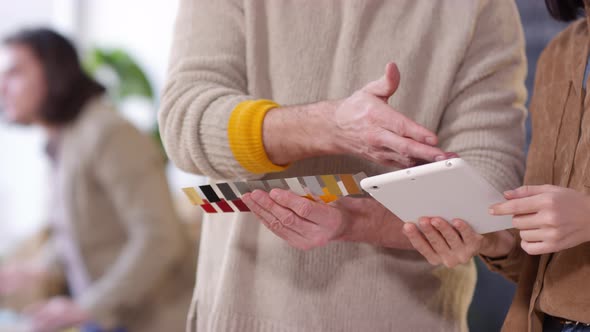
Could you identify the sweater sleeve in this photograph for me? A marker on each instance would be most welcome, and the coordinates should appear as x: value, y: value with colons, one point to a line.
x: 511, y: 265
x: 484, y: 120
x: 207, y: 80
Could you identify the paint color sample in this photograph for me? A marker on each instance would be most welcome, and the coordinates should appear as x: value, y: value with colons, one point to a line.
x: 234, y: 189
x: 224, y: 206
x: 227, y: 192
x: 358, y: 177
x: 233, y: 206
x: 208, y: 207
x: 295, y: 186
x: 331, y: 184
x: 277, y: 184
x: 216, y: 189
x: 257, y: 185
x: 242, y: 187
x: 209, y: 193
x: 350, y: 184
x: 313, y: 185
x: 342, y: 188
x: 193, y: 196
x: 327, y: 197
x: 240, y: 205
x: 225, y: 197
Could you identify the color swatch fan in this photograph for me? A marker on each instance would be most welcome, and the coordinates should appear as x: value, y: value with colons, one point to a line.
x: 226, y: 197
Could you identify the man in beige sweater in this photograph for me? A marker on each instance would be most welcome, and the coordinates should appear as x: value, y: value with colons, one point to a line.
x: 237, y: 70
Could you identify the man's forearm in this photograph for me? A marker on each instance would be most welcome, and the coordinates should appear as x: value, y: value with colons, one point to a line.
x: 294, y: 133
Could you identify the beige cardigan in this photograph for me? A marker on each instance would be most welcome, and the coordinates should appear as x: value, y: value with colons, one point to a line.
x: 117, y: 201
x: 462, y: 66
x: 555, y: 284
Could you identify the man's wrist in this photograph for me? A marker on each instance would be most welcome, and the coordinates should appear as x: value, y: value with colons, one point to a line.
x: 293, y: 133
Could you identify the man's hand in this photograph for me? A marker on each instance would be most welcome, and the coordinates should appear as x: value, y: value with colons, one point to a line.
x: 364, y: 125
x: 57, y: 314
x: 550, y: 218
x: 367, y: 126
x: 306, y: 224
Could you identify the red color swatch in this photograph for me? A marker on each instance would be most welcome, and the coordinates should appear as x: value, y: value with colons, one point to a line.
x: 240, y: 205
x: 224, y: 206
x: 208, y: 207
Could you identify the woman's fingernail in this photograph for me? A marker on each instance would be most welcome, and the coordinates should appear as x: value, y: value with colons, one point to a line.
x: 435, y: 223
x: 492, y: 211
x: 440, y: 158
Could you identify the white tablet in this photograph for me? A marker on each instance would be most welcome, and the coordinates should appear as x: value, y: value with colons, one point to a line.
x: 449, y: 189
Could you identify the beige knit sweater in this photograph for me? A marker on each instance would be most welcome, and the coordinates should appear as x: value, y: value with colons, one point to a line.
x: 462, y: 66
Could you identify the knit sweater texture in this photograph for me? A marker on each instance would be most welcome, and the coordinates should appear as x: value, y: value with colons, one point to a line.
x: 462, y: 70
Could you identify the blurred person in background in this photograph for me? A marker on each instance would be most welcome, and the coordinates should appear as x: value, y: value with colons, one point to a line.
x: 115, y: 234
x: 548, y: 253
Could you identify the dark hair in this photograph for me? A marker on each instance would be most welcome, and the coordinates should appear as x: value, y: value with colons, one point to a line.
x: 565, y: 10
x: 68, y: 86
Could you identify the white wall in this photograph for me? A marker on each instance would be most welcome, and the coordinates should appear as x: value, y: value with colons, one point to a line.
x: 15, y: 14
x: 23, y: 170
x: 22, y: 164
x: 142, y: 27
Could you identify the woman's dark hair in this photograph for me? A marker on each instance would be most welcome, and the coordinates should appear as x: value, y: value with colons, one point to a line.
x: 68, y: 86
x: 565, y: 10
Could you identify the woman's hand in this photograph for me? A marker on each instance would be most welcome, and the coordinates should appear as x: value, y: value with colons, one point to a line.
x: 306, y: 224
x: 550, y: 218
x: 441, y: 243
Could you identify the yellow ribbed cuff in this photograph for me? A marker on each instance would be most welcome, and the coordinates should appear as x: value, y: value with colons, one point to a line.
x: 245, y: 136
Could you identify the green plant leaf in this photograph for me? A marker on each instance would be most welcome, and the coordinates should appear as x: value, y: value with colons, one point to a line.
x: 132, y: 80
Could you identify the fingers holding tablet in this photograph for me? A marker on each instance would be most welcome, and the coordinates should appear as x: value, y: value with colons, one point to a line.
x: 455, y: 243
x: 442, y: 243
